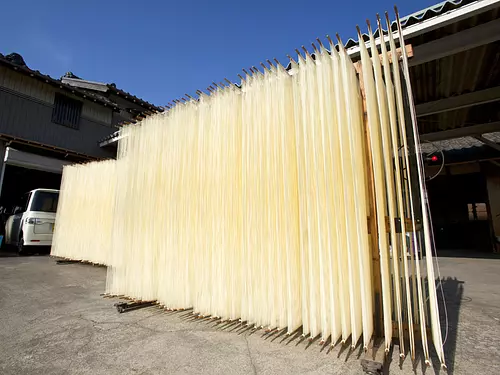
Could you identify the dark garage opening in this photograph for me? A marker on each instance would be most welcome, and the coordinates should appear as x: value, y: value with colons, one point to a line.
x: 460, y: 212
x: 18, y: 180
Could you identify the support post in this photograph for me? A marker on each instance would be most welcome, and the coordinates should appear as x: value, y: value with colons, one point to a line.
x: 2, y: 166
x: 374, y: 359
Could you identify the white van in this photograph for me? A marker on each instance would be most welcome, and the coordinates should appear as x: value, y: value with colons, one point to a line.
x: 32, y: 221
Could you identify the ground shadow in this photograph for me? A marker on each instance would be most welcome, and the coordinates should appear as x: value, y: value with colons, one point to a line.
x: 450, y: 297
x: 11, y: 252
x: 453, y: 290
x: 449, y: 310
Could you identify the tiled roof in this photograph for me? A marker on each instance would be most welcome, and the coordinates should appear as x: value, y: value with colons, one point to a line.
x: 458, y: 143
x: 19, y: 66
x: 112, y: 87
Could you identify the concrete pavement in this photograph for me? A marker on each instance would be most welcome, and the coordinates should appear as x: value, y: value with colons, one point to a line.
x: 54, y: 321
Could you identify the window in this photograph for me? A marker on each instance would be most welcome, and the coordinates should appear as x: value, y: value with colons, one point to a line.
x: 25, y: 201
x: 45, y: 201
x: 66, y: 111
x: 477, y: 211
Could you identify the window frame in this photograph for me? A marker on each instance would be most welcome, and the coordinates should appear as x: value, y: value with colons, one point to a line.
x: 67, y: 111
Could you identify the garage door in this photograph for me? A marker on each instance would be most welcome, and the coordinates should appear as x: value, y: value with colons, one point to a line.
x: 33, y: 161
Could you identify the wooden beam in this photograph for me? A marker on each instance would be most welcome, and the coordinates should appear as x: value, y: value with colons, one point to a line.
x: 12, y: 139
x: 458, y: 102
x: 378, y: 320
x: 456, y: 43
x: 467, y: 131
x: 399, y: 52
x: 410, y: 226
x: 495, y: 163
x: 487, y: 142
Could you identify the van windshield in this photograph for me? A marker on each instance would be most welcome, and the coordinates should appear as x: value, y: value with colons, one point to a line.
x: 45, y: 201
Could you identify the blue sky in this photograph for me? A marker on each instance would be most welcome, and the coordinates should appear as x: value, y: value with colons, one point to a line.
x: 160, y: 50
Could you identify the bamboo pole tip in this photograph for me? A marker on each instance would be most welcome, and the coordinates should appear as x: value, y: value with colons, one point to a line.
x: 397, y: 14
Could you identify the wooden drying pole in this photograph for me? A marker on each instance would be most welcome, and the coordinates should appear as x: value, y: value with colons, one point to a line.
x: 375, y: 355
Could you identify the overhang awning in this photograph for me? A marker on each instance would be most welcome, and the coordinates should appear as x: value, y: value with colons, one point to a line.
x: 33, y: 161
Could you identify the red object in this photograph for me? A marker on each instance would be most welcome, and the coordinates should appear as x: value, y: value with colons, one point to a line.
x: 434, y: 158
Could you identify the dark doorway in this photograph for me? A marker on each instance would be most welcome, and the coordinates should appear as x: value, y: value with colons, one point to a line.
x: 459, y: 209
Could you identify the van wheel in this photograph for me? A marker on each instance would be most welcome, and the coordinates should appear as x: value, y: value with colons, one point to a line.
x: 21, y: 249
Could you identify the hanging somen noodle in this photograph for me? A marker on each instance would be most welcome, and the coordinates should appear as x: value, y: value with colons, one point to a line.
x: 85, y: 211
x: 252, y: 203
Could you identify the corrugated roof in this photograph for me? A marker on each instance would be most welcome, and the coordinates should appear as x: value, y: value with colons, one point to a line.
x: 109, y: 138
x: 418, y: 17
x: 465, y: 72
